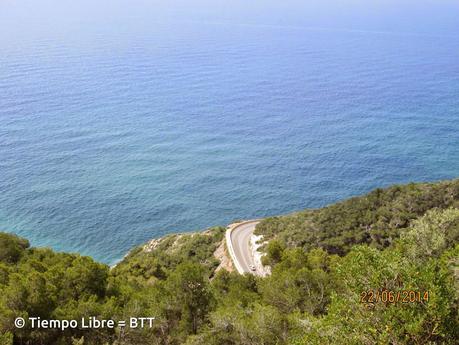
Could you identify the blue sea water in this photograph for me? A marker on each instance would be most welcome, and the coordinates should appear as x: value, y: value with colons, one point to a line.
x: 114, y: 131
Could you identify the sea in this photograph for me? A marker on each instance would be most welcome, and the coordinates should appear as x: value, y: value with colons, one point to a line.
x: 125, y: 121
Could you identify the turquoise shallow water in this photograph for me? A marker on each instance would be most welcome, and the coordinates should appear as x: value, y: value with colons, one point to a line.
x: 111, y: 135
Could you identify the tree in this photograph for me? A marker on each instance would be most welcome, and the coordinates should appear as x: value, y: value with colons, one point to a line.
x: 11, y: 247
x: 429, y: 235
x: 6, y: 338
x: 274, y: 251
x: 349, y: 321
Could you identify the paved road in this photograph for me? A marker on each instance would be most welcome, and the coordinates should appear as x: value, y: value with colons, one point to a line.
x: 240, y: 239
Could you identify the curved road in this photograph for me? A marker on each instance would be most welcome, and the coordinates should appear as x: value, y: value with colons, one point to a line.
x: 240, y: 240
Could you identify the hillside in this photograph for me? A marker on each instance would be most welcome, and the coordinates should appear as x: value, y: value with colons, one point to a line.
x: 157, y: 258
x: 326, y: 264
x: 376, y: 219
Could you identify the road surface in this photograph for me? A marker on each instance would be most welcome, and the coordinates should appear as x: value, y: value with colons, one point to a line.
x: 240, y: 240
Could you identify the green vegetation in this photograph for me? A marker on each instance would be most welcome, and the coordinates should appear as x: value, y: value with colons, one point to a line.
x: 324, y: 264
x: 376, y: 219
x: 156, y: 260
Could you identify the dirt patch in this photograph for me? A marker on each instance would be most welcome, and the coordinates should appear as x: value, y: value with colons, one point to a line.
x: 221, y: 254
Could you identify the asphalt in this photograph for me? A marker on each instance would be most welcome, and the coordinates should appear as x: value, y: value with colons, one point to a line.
x: 240, y: 239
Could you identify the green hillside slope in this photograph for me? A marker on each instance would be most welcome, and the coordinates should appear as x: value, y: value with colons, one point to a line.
x: 378, y: 269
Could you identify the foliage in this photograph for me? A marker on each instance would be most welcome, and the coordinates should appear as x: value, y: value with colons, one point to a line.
x: 148, y: 266
x: 12, y: 247
x: 401, y: 238
x: 376, y: 219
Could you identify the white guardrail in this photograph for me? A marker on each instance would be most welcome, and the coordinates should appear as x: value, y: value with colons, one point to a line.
x: 229, y: 243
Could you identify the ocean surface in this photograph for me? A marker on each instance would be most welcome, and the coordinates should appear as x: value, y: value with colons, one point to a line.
x: 113, y: 132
